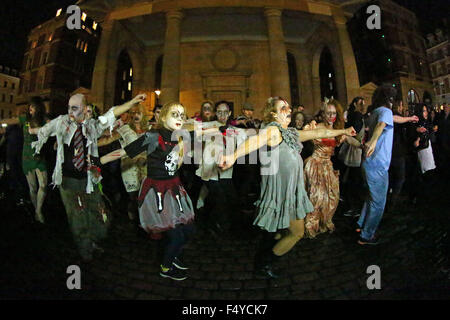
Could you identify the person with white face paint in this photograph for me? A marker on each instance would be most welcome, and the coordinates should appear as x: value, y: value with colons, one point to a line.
x: 221, y: 202
x: 321, y: 180
x: 77, y: 173
x: 283, y: 202
x: 164, y: 205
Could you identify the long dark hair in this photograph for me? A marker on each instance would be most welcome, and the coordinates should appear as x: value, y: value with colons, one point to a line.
x: 39, y: 115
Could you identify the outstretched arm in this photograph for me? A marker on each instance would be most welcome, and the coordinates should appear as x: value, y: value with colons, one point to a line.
x: 305, y: 135
x: 128, y: 105
x: 400, y: 119
x: 112, y: 156
x: 266, y: 136
x: 104, y: 141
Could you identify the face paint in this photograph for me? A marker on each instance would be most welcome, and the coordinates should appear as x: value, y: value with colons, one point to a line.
x: 88, y: 112
x: 207, y: 112
x: 222, y: 113
x: 175, y: 118
x: 283, y: 113
x: 330, y: 115
x: 299, y: 121
x: 76, y: 113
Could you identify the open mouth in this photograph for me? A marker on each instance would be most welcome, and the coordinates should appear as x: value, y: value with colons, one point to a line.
x: 178, y: 125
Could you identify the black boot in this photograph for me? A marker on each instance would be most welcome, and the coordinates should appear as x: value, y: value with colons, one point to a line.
x: 264, y: 264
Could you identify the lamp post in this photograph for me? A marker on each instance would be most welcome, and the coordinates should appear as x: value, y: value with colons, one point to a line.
x: 158, y: 92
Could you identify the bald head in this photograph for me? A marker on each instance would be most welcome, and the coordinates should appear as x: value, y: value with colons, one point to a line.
x: 77, y: 107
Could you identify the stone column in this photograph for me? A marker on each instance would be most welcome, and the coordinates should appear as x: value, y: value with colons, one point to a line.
x: 279, y: 73
x: 306, y: 88
x: 170, y: 80
x: 102, y: 60
x: 349, y: 63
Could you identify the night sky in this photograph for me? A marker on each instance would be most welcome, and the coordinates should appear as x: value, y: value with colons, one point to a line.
x: 18, y: 17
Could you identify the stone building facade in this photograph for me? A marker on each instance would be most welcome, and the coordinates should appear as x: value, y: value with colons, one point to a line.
x: 438, y: 51
x: 234, y: 50
x: 9, y: 87
x: 58, y: 61
x: 394, y: 54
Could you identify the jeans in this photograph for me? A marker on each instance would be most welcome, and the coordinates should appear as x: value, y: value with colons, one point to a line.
x: 176, y: 239
x: 377, y: 181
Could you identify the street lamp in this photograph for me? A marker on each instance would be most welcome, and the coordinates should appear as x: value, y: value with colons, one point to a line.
x: 158, y: 92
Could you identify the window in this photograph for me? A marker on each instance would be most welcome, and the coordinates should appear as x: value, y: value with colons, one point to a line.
x: 85, y: 47
x: 44, y: 58
x: 58, y: 13
x: 2, y: 113
x: 3, y: 97
x: 34, y: 45
x: 13, y: 86
x: 11, y: 98
x: 50, y: 37
x: 94, y: 25
x: 83, y: 16
x: 5, y: 85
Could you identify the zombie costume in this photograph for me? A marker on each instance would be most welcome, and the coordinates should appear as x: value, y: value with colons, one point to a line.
x: 77, y: 177
x: 283, y: 197
x: 163, y: 201
x: 322, y: 185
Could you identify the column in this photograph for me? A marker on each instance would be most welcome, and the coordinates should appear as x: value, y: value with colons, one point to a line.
x: 170, y: 80
x: 306, y: 88
x: 348, y: 57
x: 279, y: 73
x: 102, y: 60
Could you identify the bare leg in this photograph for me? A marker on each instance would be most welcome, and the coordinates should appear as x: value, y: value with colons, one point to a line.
x: 32, y: 185
x: 287, y: 242
x: 42, y: 191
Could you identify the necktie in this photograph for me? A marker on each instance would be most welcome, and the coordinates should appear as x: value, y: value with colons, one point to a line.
x: 78, y: 158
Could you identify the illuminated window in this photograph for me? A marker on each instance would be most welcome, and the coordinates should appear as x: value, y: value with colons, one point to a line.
x: 78, y: 44
x: 58, y: 13
x: 131, y: 72
x: 83, y: 16
x: 50, y: 38
x: 85, y: 47
x: 34, y: 45
x: 129, y: 86
x: 94, y: 25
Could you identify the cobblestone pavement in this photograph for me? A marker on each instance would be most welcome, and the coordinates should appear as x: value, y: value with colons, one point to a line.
x: 413, y: 259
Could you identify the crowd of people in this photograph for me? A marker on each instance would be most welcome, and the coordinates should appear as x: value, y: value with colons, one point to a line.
x: 285, y: 174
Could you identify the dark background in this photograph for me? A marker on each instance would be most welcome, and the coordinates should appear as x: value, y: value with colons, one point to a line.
x: 18, y: 17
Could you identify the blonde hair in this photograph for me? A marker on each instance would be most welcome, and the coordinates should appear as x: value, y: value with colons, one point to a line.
x: 271, y: 107
x: 163, y: 114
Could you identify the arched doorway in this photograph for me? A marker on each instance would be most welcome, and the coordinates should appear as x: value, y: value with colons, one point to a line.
x: 124, y: 79
x: 327, y: 75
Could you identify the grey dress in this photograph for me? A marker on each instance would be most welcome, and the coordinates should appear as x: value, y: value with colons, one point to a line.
x: 283, y: 196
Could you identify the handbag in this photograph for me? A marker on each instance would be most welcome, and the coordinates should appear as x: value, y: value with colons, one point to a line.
x: 351, y: 155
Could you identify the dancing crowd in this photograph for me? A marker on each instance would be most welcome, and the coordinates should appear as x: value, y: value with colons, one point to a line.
x: 286, y: 174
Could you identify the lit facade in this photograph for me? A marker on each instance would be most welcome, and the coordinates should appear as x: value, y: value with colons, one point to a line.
x: 239, y: 51
x: 9, y: 88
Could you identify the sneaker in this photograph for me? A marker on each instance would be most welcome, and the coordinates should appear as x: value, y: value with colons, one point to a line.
x: 373, y: 241
x: 174, y: 274
x: 352, y: 213
x: 179, y: 264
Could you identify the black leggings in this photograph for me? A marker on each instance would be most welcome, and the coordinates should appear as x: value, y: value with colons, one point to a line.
x: 176, y: 239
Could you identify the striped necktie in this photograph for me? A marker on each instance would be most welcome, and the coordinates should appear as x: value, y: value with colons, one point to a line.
x: 78, y: 157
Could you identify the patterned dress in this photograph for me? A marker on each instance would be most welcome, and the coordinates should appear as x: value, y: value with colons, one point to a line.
x: 283, y: 197
x: 30, y: 161
x: 163, y: 202
x: 322, y: 185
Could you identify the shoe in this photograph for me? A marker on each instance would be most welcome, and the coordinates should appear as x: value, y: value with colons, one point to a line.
x: 373, y: 241
x: 352, y: 213
x: 179, y: 264
x: 174, y: 274
x: 39, y: 217
x: 97, y: 248
x: 268, y: 272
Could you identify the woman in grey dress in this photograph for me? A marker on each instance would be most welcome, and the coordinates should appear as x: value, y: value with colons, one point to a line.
x: 283, y: 202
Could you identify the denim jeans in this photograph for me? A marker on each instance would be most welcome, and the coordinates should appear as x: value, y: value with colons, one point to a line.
x: 377, y: 181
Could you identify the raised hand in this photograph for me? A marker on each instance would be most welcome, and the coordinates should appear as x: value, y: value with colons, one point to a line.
x: 139, y: 98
